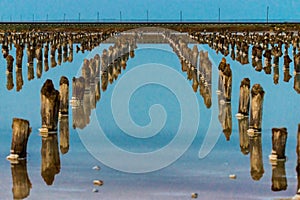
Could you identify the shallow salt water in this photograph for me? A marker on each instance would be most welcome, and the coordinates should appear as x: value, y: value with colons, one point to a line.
x: 208, y: 176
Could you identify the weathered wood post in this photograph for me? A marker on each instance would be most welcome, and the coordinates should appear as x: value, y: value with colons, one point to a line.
x: 65, y: 51
x: 59, y: 54
x: 49, y: 107
x: 64, y: 95
x: 52, y: 55
x: 195, y: 79
x: 297, y: 83
x: 9, y: 70
x: 257, y: 94
x: 286, y: 75
x: 64, y: 134
x: 20, y: 133
x: 244, y: 138
x: 297, y: 62
x: 39, y: 58
x: 279, y: 181
x: 279, y: 137
x: 256, y: 161
x: 276, y: 74
x: 21, y: 182
x: 46, y: 54
x: 244, y: 101
x: 19, y: 79
x: 50, y: 158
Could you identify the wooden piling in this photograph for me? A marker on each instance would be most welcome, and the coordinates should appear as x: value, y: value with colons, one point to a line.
x: 257, y: 97
x: 50, y: 158
x: 64, y: 95
x: 20, y: 133
x: 279, y: 137
x: 49, y: 107
x: 21, y: 182
x: 19, y: 79
x: 244, y: 101
x: 298, y: 159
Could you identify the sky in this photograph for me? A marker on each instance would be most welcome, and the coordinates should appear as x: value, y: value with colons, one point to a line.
x: 109, y: 10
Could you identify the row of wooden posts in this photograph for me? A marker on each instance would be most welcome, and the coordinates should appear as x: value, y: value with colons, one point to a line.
x: 267, y: 46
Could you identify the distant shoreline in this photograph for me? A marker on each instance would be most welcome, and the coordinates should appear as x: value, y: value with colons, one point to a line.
x: 123, y: 26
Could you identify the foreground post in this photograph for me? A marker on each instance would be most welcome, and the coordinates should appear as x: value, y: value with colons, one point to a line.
x: 21, y: 183
x: 298, y: 160
x: 244, y: 102
x: 257, y: 94
x: 49, y: 107
x: 64, y: 95
x: 279, y: 136
x: 21, y: 131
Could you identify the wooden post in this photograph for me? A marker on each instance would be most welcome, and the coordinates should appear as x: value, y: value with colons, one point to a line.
x: 50, y: 158
x: 64, y: 95
x: 9, y: 81
x: 257, y: 94
x: 78, y: 117
x: 70, y: 57
x: 39, y: 64
x: 286, y: 75
x: 225, y: 80
x: 97, y: 88
x: 297, y: 62
x: 104, y: 80
x: 244, y: 101
x: 52, y: 55
x: 279, y: 137
x: 225, y: 118
x: 256, y: 161
x: 9, y: 70
x: 19, y: 79
x: 59, y: 54
x: 244, y: 138
x: 30, y: 72
x: 64, y: 134
x: 46, y: 52
x: 21, y: 183
x: 276, y: 74
x: 49, y: 107
x: 195, y: 79
x: 20, y: 133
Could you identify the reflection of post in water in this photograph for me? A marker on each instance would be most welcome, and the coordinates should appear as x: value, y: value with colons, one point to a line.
x: 256, y: 161
x: 64, y: 95
x: 256, y: 110
x: 9, y: 75
x: 39, y: 58
x: 64, y: 134
x: 49, y: 107
x: 225, y: 117
x: 21, y: 183
x: 50, y: 158
x: 244, y: 138
x: 52, y: 55
x: 298, y: 160
x: 297, y: 83
x: 279, y: 181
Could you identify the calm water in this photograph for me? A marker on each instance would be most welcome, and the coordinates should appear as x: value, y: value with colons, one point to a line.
x: 208, y: 176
